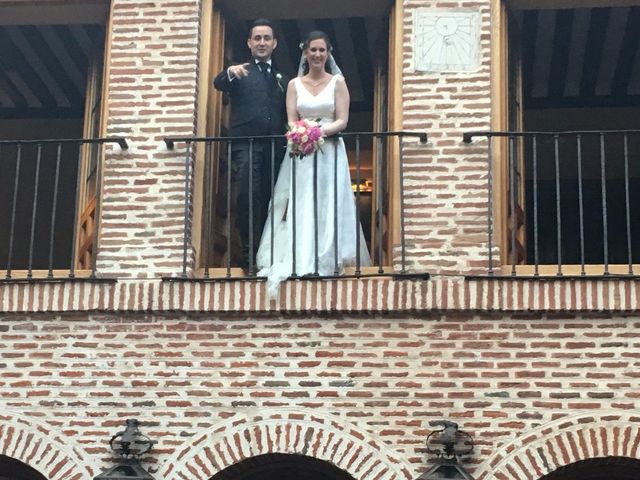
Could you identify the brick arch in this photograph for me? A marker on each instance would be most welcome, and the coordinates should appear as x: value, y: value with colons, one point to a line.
x: 295, y: 431
x: 41, y: 447
x: 562, y: 442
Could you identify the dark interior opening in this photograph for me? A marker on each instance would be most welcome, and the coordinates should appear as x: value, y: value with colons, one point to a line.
x: 360, y: 47
x: 279, y: 466
x: 12, y: 469
x: 43, y: 83
x: 608, y: 468
x: 581, y: 71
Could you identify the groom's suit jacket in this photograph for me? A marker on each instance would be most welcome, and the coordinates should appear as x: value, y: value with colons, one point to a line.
x: 257, y: 103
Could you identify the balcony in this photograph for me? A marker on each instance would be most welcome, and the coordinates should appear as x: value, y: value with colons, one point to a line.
x: 48, y: 207
x: 562, y: 204
x: 377, y: 183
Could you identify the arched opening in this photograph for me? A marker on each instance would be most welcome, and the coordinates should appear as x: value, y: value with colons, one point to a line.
x: 279, y: 466
x: 12, y: 469
x: 608, y: 468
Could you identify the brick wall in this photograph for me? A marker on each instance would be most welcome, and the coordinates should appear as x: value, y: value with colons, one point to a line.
x: 542, y: 374
x: 375, y: 381
x: 151, y: 94
x: 614, y: 295
x: 446, y: 181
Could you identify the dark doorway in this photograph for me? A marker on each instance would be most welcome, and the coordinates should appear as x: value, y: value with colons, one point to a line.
x: 50, y: 88
x: 608, y: 468
x: 12, y: 469
x: 280, y: 466
x: 579, y: 72
x: 360, y: 36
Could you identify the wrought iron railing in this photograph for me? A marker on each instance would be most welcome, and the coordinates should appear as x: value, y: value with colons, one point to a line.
x: 217, y: 154
x: 39, y: 221
x: 568, y: 202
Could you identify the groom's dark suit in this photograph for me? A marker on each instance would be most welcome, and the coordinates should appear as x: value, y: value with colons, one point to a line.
x: 257, y: 108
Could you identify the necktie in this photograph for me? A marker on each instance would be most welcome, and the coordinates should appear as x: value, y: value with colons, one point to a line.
x: 264, y: 68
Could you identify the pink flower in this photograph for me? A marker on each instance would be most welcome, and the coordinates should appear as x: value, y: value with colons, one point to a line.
x: 304, y: 137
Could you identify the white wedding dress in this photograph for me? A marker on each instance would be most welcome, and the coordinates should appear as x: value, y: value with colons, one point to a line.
x: 335, y: 249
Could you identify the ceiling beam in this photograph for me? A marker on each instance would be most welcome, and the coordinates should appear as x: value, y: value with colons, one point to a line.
x: 13, y: 61
x: 556, y: 4
x: 279, y: 9
x: 560, y: 55
x: 628, y: 51
x: 594, y: 50
x: 59, y: 12
x: 50, y: 61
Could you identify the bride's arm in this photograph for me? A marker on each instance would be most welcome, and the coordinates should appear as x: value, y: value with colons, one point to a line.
x: 342, y: 109
x: 292, y: 109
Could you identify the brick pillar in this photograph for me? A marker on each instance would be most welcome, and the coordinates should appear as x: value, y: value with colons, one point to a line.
x: 152, y: 91
x: 446, y: 181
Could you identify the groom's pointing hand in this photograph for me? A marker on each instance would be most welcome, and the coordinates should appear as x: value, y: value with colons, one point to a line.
x: 239, y: 71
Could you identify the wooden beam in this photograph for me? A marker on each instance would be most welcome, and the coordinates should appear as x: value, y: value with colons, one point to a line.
x: 628, y: 51
x: 53, y: 12
x: 594, y: 51
x: 557, y: 4
x: 560, y: 54
x: 278, y: 9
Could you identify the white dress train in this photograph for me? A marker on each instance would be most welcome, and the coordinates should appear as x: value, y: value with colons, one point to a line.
x: 335, y: 207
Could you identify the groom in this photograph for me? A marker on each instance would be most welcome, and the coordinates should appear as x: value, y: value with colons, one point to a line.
x: 257, y: 92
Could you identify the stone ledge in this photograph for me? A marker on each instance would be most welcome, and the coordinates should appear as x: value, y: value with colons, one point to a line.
x: 335, y: 295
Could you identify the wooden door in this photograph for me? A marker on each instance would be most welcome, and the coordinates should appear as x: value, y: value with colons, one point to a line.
x: 210, y: 193
x: 516, y: 217
x: 90, y: 158
x: 389, y: 95
x: 380, y: 152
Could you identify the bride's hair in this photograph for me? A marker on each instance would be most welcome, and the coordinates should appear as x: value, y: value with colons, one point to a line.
x: 316, y: 35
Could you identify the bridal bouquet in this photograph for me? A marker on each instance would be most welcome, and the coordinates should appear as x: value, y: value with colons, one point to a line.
x: 304, y: 137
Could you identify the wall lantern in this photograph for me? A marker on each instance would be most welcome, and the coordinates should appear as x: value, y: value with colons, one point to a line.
x: 130, y: 444
x: 447, y: 444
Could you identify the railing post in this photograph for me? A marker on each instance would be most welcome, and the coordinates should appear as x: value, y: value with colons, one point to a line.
x: 605, y: 232
x: 271, y: 202
x: 627, y: 203
x: 403, y: 245
x: 580, y: 204
x: 53, y: 210
x: 206, y: 208
x: 512, y: 203
x: 185, y: 238
x: 357, y: 221
x: 14, y: 207
x: 490, y: 202
x: 536, y: 258
x: 250, y: 201
x: 556, y: 156
x: 229, y: 216
x: 315, y: 214
x: 76, y: 218
x: 335, y: 207
x: 293, y: 217
x: 379, y: 213
x: 34, y: 209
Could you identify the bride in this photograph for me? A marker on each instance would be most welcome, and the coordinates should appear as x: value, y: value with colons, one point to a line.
x: 291, y: 246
